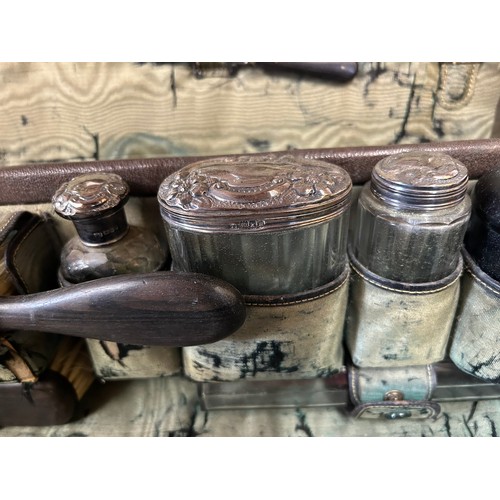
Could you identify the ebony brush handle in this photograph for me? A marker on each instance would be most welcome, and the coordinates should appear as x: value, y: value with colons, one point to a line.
x: 335, y: 71
x: 163, y: 308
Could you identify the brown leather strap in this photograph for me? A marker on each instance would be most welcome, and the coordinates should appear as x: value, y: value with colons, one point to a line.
x: 36, y: 183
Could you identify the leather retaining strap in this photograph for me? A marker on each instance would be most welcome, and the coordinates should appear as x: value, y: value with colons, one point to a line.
x: 36, y: 183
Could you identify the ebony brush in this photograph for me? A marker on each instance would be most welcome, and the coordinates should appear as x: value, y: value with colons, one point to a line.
x: 162, y: 308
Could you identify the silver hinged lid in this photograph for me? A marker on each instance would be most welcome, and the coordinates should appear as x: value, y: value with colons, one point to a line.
x: 90, y: 195
x: 254, y: 194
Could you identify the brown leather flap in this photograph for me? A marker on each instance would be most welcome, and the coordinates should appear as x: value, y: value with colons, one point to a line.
x: 36, y: 183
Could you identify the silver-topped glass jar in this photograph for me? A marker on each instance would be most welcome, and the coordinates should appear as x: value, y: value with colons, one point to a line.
x: 411, y: 217
x: 269, y: 226
x: 107, y: 245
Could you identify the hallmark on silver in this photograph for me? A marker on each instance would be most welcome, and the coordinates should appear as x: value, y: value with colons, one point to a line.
x: 248, y: 224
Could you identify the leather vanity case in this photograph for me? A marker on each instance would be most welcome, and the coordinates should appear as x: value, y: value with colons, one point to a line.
x: 146, y: 122
x: 145, y: 177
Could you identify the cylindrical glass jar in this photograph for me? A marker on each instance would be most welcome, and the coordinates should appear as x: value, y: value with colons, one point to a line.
x: 482, y: 239
x: 411, y: 217
x: 269, y: 226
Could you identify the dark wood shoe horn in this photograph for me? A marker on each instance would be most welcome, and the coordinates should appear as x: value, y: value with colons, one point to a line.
x: 163, y: 308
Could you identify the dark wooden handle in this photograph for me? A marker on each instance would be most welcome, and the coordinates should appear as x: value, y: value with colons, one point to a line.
x: 163, y: 308
x: 335, y: 71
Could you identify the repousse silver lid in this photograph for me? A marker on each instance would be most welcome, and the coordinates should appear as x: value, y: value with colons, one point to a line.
x: 90, y: 195
x: 420, y: 180
x: 247, y: 194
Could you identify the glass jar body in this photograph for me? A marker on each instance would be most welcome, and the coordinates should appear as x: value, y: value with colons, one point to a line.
x: 408, y: 245
x: 267, y: 263
x: 139, y: 251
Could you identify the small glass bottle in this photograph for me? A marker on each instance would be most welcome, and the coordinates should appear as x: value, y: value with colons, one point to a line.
x: 411, y: 217
x: 482, y: 239
x: 106, y: 244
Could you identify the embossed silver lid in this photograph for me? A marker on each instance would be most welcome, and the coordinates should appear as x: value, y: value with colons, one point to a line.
x: 420, y: 180
x: 90, y: 195
x: 247, y: 194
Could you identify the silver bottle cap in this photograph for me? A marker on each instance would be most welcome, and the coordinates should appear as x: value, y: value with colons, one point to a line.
x: 420, y: 180
x: 94, y: 202
x: 254, y: 194
x: 90, y: 195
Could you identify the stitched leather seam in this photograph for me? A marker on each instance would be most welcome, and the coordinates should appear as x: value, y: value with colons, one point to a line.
x: 301, y: 301
x: 485, y: 285
x: 427, y: 292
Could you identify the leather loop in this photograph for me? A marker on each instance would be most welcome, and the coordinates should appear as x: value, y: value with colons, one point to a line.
x: 393, y: 393
x: 368, y: 385
x: 298, y: 339
x: 402, y: 287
